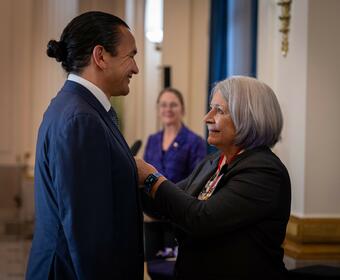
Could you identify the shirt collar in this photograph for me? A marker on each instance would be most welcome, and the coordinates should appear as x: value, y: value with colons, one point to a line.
x: 96, y: 91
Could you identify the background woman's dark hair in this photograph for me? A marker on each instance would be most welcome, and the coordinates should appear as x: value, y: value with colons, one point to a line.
x: 175, y: 92
x: 80, y: 37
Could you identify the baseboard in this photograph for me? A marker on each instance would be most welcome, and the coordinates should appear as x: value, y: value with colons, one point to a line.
x: 292, y: 263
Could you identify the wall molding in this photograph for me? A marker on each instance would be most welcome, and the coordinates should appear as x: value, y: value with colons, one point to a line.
x: 313, y: 238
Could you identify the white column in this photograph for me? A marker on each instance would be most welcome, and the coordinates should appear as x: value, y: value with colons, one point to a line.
x: 186, y: 50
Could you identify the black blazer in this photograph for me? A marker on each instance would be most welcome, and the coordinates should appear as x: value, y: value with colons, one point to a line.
x: 238, y: 232
x: 88, y: 215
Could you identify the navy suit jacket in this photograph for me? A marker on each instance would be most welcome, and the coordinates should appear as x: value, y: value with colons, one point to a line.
x: 88, y: 216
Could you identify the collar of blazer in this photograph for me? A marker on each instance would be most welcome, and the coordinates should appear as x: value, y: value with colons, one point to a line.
x: 227, y: 169
x: 203, y: 174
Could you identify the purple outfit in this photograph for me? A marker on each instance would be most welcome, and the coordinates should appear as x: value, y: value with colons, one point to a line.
x: 185, y: 152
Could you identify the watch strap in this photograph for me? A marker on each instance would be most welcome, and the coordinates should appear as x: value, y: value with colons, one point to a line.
x: 151, y: 180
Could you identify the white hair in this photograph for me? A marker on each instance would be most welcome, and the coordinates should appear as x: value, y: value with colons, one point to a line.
x: 254, y: 109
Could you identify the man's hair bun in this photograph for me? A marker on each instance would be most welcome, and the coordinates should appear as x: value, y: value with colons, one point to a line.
x: 57, y: 50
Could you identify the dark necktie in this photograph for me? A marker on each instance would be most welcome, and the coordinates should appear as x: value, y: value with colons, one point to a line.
x: 113, y: 116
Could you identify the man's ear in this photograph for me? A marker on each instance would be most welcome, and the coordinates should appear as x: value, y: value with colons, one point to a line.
x: 98, y: 54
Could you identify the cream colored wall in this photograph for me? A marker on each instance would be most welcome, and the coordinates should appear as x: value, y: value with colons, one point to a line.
x: 199, y: 59
x: 323, y: 113
x: 47, y: 75
x: 152, y: 85
x: 306, y: 84
x: 134, y: 103
x: 29, y: 78
x: 15, y: 80
x: 116, y: 7
x: 287, y: 76
x: 185, y: 49
x: 176, y: 44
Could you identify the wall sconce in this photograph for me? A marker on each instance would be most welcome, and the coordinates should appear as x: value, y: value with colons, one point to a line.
x: 156, y: 37
x: 154, y: 22
x: 284, y: 28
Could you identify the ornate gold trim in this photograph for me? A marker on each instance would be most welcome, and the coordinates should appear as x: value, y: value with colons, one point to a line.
x: 284, y: 20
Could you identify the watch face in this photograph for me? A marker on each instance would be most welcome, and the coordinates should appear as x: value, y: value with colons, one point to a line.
x: 151, y: 180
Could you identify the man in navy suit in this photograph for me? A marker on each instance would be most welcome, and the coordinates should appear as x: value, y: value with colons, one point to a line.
x: 88, y: 216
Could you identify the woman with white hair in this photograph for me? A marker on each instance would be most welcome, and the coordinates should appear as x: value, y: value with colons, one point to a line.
x: 232, y: 211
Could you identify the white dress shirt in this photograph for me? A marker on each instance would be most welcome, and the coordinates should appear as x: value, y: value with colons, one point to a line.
x: 96, y: 91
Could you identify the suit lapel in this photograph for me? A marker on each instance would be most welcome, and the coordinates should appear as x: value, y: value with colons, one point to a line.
x: 95, y: 104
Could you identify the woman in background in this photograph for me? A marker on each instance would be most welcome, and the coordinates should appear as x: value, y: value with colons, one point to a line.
x: 174, y: 151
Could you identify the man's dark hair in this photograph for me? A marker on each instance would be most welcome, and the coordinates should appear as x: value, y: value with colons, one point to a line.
x: 80, y: 37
